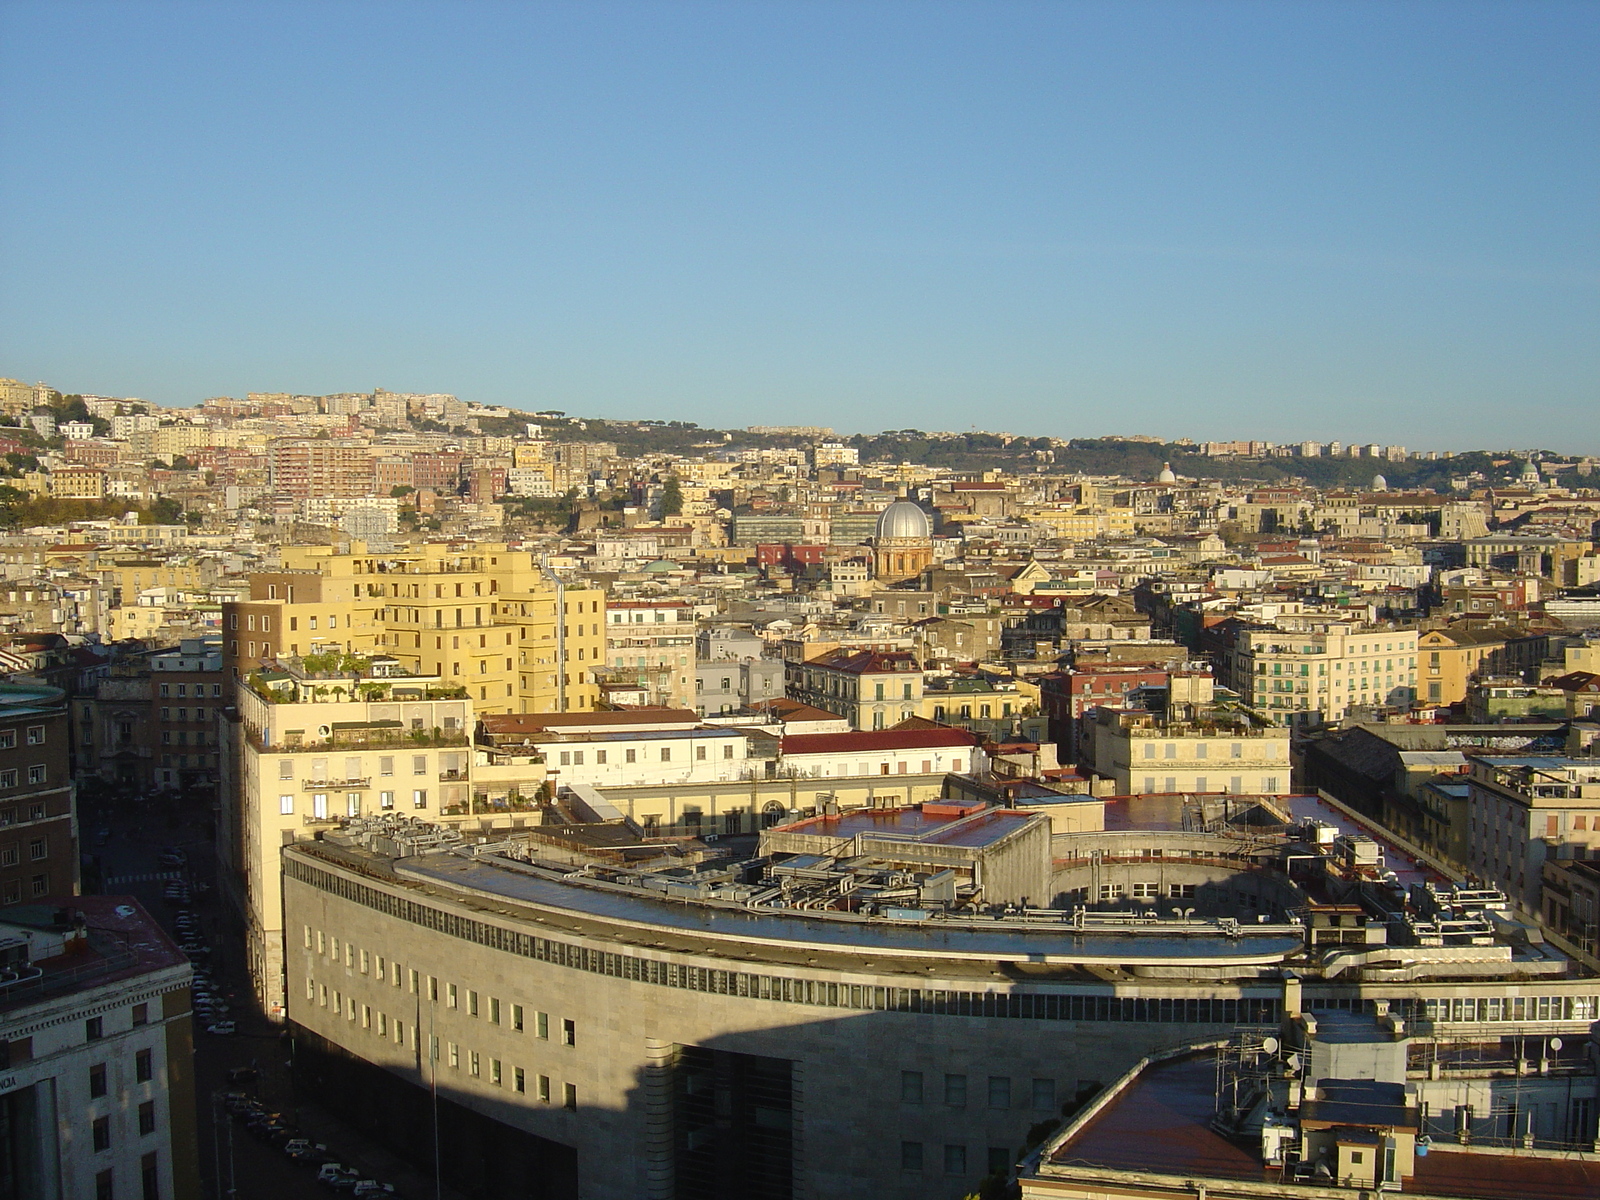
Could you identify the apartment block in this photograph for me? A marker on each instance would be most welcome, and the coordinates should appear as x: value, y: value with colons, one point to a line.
x: 871, y: 689
x: 1321, y: 671
x: 97, y: 1083
x: 310, y: 747
x: 1191, y: 744
x: 1526, y: 810
x: 38, y: 821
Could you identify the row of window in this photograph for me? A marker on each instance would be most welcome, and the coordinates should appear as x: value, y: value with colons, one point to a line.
x: 574, y: 758
x: 11, y: 890
x: 1269, y: 749
x: 38, y: 848
x: 105, y: 1182
x: 1202, y: 783
x: 1042, y: 1094
x: 913, y: 1158
x: 37, y: 774
x: 183, y: 690
x: 1109, y: 893
x: 182, y: 714
x: 354, y: 768
x: 322, y: 811
x: 391, y: 972
x: 788, y: 989
x: 34, y: 737
x: 382, y: 1025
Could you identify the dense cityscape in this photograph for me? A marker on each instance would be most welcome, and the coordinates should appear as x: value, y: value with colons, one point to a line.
x: 402, y: 795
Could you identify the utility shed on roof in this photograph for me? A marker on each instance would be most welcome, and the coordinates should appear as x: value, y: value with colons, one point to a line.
x: 1004, y: 852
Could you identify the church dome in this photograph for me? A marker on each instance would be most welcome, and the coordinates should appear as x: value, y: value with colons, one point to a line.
x: 1167, y: 475
x: 903, y: 519
x: 1380, y: 484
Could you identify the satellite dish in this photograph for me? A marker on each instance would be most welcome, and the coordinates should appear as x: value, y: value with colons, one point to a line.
x: 1555, y: 1045
x: 1270, y: 1045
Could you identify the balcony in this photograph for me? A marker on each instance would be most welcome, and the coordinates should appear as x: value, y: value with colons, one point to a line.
x: 322, y: 785
x: 452, y: 776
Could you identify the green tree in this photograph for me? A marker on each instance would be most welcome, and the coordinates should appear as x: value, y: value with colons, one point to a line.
x: 671, y: 497
x: 401, y: 489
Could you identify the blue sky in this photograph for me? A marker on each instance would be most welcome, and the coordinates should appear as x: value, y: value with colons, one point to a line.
x: 1374, y: 222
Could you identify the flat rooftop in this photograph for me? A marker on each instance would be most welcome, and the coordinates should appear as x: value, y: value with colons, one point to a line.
x: 1161, y: 1123
x: 124, y: 942
x: 737, y: 928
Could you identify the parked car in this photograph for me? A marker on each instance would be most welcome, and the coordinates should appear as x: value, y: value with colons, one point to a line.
x: 243, y: 1074
x: 371, y: 1187
x: 332, y: 1174
x: 221, y: 1029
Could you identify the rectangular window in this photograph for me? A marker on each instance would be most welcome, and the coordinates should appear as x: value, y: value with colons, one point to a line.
x: 955, y: 1091
x: 452, y: 998
x: 419, y: 764
x: 141, y: 1014
x: 455, y: 1055
x: 472, y: 1064
x: 519, y: 1081
x: 516, y: 1017
x: 101, y: 1132
x: 999, y: 1091
x: 569, y: 1032
x: 149, y: 1177
x: 955, y: 1160
x: 97, y: 1081
x: 94, y: 1029
x: 36, y: 735
x: 910, y: 1087
x: 419, y: 798
x: 286, y: 805
x: 36, y: 774
x: 541, y: 1025
x: 147, y: 1118
x: 911, y: 1156
x: 472, y: 1004
x: 543, y: 1084
x: 102, y: 1186
x: 494, y: 1071
x: 630, y: 755
x: 569, y: 1097
x: 1044, y: 1093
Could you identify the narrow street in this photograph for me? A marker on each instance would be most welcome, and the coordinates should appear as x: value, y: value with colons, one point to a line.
x: 233, y: 1162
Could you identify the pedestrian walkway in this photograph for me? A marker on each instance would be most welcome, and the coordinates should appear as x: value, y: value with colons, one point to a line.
x: 147, y: 877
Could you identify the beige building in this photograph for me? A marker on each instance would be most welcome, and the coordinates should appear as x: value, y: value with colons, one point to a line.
x: 1526, y: 810
x: 309, y: 748
x: 483, y: 617
x: 871, y: 689
x: 1449, y: 660
x: 1193, y: 746
x: 1323, y: 669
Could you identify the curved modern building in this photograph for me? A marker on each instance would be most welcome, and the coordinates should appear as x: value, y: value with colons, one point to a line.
x: 875, y: 1005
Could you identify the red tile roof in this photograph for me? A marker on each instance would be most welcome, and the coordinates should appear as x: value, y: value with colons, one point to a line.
x: 876, y: 740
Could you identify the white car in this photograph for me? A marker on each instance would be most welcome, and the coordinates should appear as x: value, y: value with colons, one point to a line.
x: 221, y: 1028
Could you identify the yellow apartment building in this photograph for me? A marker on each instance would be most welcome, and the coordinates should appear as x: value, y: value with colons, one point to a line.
x: 1448, y: 661
x: 480, y: 616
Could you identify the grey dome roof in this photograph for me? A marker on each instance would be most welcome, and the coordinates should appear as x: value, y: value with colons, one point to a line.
x: 903, y: 519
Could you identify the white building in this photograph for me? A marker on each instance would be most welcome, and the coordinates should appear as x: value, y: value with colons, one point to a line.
x: 96, y: 1095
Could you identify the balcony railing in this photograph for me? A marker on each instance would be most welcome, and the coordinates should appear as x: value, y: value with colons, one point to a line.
x: 317, y: 785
